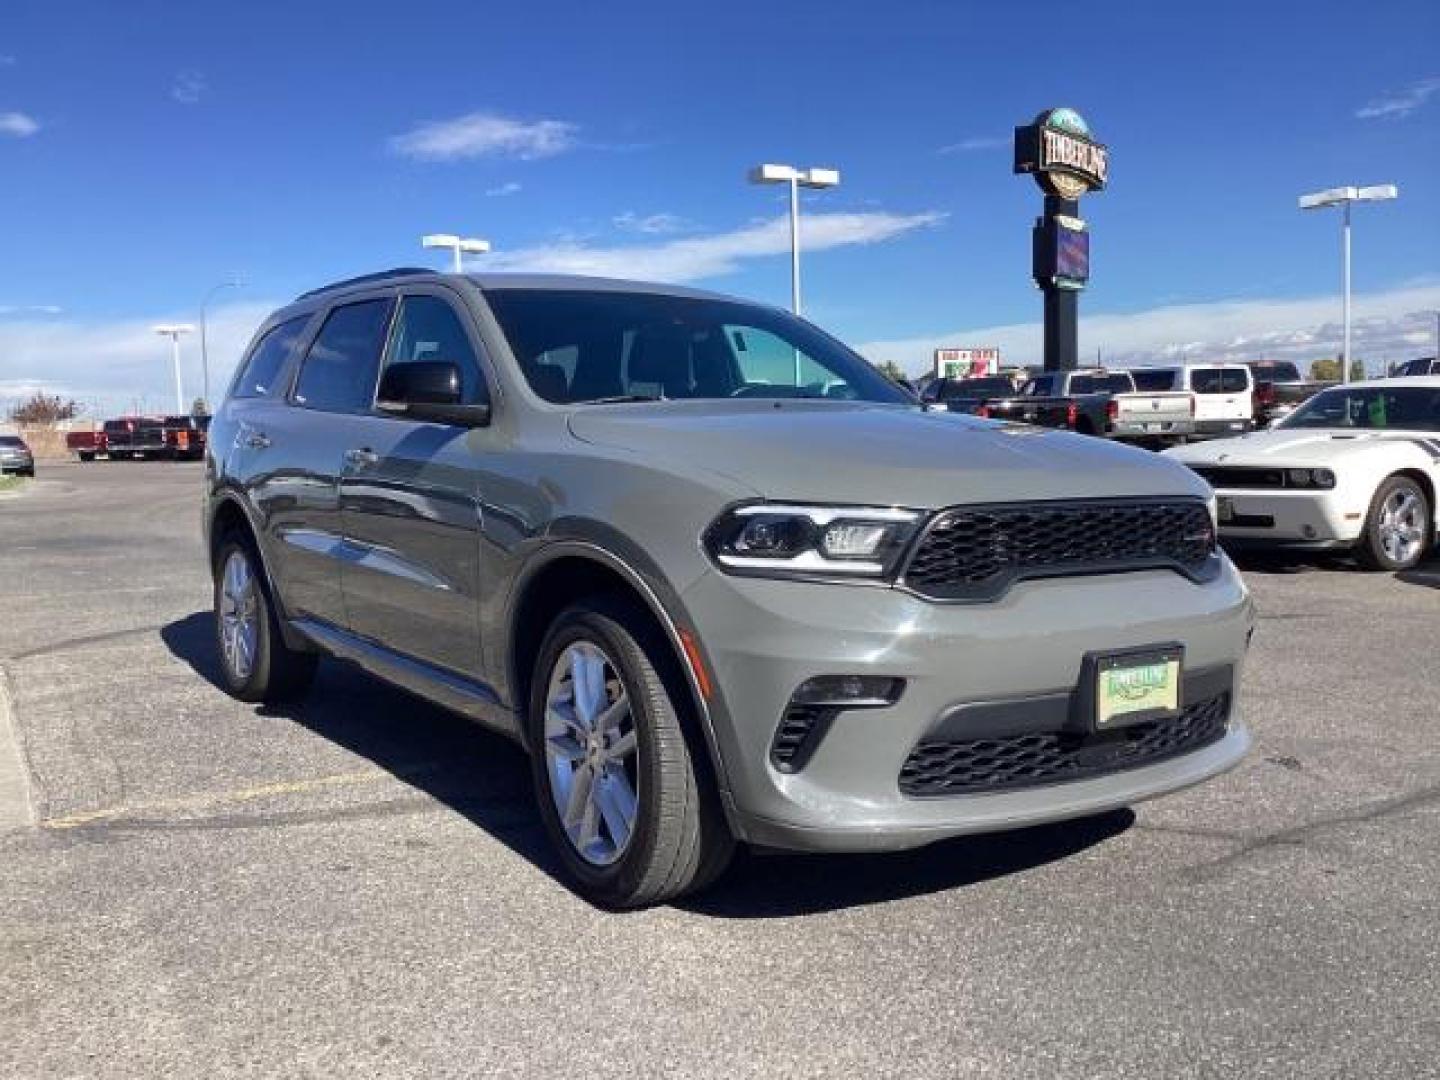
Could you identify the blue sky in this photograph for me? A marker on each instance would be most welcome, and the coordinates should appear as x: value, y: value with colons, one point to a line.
x: 149, y: 150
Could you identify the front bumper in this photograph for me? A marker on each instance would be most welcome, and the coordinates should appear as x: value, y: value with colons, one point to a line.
x: 1318, y: 519
x: 17, y: 465
x: 763, y: 638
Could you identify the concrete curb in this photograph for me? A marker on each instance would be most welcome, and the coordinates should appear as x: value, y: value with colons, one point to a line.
x: 16, y: 808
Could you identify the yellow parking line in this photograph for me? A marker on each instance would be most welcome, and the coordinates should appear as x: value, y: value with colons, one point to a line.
x: 206, y: 801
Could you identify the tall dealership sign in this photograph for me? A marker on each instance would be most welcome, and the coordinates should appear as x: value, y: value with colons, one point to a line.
x: 1066, y: 161
x: 966, y: 363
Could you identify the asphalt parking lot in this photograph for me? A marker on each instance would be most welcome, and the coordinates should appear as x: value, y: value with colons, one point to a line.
x: 360, y: 887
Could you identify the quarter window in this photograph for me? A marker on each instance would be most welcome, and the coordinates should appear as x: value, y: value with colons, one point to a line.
x: 428, y: 329
x: 262, y: 370
x: 340, y: 369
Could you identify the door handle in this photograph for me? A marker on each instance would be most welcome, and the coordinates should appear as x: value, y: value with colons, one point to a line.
x: 257, y: 440
x: 361, y: 457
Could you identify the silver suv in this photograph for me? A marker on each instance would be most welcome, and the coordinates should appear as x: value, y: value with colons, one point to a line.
x: 722, y: 580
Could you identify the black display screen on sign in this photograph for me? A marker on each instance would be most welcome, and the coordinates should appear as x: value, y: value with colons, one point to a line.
x: 1072, y: 256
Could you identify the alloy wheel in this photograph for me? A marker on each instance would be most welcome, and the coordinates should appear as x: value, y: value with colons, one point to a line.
x: 1402, y: 525
x: 591, y: 753
x: 239, y: 616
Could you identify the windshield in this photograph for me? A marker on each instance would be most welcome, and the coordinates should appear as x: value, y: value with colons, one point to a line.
x: 11, y: 440
x: 1410, y: 408
x: 588, y: 346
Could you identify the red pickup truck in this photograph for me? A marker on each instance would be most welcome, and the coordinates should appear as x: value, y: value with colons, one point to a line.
x: 87, y: 445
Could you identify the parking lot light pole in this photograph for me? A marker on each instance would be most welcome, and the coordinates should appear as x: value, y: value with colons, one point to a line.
x: 173, y: 332
x: 460, y: 245
x: 796, y: 178
x: 233, y: 283
x: 1343, y: 197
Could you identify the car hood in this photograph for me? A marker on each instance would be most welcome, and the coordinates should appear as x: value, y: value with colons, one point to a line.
x: 854, y: 452
x: 1298, y: 446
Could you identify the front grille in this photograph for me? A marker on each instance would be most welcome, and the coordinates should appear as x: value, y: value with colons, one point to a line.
x: 950, y: 767
x: 977, y: 552
x: 1232, y: 476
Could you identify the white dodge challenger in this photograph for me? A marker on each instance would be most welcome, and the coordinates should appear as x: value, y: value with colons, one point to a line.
x: 1355, y: 467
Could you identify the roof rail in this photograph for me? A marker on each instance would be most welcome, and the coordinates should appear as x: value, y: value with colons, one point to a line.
x: 365, y: 279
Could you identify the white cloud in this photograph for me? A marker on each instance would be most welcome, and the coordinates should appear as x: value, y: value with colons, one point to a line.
x: 1392, y: 325
x: 18, y: 124
x: 697, y: 257
x: 8, y: 310
x: 485, y: 134
x: 510, y: 187
x: 189, y: 87
x: 109, y: 366
x: 7, y: 61
x: 981, y: 142
x: 649, y: 224
x: 1400, y: 103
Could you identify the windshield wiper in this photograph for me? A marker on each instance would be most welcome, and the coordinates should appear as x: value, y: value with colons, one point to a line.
x: 616, y: 399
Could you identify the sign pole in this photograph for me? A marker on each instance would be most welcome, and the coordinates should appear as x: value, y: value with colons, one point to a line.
x: 1062, y: 306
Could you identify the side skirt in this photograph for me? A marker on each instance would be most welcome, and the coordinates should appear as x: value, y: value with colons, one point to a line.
x: 467, y: 697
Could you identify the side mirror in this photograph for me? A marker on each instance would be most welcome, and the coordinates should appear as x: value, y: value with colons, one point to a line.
x: 428, y: 390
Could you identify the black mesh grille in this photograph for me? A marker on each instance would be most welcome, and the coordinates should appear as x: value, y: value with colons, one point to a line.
x: 976, y: 553
x: 948, y: 767
x: 1235, y: 476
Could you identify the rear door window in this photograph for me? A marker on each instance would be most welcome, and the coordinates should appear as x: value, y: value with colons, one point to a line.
x: 1153, y: 381
x: 263, y: 368
x: 340, y: 369
x: 1219, y: 380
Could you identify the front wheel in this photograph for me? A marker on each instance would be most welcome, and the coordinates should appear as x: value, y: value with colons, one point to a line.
x: 624, y: 790
x: 1398, y: 527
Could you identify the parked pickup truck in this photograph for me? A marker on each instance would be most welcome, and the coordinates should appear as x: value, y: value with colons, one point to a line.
x: 1280, y: 389
x: 185, y: 437
x: 1094, y: 401
x: 967, y: 395
x: 86, y: 445
x: 135, y: 437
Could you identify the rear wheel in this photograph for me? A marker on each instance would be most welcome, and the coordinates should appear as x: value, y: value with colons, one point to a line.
x: 255, y: 662
x: 87, y: 455
x: 1398, y: 528
x: 624, y: 790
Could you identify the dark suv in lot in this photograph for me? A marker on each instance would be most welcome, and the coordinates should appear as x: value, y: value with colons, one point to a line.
x: 721, y: 579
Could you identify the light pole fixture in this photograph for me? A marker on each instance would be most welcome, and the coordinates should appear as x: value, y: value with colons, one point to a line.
x: 233, y: 283
x: 796, y: 178
x: 458, y: 244
x: 173, y: 332
x: 1343, y: 197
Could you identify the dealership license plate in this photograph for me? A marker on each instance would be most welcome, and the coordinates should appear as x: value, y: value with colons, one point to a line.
x: 1225, y: 509
x: 1133, y: 688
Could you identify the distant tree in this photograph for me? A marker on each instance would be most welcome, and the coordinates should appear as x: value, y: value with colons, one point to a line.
x: 41, y: 408
x: 892, y: 371
x: 1328, y: 370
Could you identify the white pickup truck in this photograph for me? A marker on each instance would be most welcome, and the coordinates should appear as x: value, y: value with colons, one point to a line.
x: 1097, y: 401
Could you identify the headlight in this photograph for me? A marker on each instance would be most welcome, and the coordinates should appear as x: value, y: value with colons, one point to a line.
x: 811, y: 541
x: 1310, y: 478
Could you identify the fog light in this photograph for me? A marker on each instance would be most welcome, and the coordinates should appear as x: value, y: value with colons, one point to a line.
x: 849, y: 691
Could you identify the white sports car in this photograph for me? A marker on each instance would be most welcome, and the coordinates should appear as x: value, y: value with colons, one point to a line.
x: 1356, y: 466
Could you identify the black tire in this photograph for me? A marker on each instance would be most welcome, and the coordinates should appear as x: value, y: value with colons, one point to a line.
x: 680, y: 841
x: 1371, y: 549
x: 86, y: 455
x: 276, y: 672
